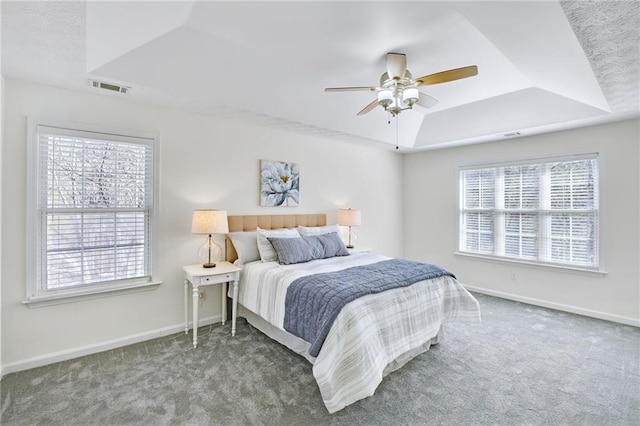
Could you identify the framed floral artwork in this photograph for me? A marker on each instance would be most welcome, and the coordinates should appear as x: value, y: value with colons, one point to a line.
x: 279, y: 184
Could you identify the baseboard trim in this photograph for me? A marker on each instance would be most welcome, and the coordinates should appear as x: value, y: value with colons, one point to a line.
x: 65, y: 355
x: 557, y: 306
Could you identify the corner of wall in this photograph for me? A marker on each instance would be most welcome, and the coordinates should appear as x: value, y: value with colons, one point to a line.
x: 1, y: 149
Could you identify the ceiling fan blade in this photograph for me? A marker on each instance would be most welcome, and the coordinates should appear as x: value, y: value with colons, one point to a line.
x: 449, y: 75
x: 369, y: 107
x: 351, y: 89
x: 396, y: 65
x: 426, y: 101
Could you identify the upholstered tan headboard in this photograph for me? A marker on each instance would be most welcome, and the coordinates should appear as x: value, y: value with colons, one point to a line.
x: 251, y: 223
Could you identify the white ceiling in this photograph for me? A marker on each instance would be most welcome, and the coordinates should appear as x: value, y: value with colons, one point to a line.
x: 543, y: 65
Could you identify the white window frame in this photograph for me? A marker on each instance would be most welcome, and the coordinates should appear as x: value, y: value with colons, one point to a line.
x: 542, y: 210
x: 36, y: 295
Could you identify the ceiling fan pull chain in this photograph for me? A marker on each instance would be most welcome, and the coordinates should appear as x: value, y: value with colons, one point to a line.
x: 397, y: 132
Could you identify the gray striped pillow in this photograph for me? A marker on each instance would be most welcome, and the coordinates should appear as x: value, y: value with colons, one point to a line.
x: 304, y: 249
x: 332, y: 245
x: 267, y: 254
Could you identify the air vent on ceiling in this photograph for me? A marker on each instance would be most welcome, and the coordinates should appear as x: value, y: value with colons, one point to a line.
x: 511, y: 134
x: 109, y: 86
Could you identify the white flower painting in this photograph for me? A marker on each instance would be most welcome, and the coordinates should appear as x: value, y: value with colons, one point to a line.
x: 280, y: 184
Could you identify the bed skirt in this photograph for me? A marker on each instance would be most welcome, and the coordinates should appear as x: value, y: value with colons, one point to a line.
x: 292, y: 342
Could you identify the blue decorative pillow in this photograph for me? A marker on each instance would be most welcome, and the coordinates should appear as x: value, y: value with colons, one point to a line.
x: 304, y: 249
x: 292, y: 250
x: 267, y: 254
x: 332, y: 245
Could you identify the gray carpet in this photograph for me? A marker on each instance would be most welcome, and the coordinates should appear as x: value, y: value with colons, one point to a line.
x: 521, y: 365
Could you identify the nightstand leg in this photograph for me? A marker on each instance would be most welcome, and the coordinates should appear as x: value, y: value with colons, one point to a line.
x: 224, y: 303
x: 186, y: 307
x: 234, y: 309
x: 195, y: 316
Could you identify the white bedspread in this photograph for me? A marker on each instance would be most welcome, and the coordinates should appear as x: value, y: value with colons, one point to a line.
x: 370, y: 333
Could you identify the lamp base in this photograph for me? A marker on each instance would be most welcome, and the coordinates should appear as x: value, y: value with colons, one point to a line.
x: 350, y: 246
x: 208, y: 265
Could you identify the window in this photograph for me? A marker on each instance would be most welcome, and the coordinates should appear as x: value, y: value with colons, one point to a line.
x: 91, y: 194
x: 541, y: 212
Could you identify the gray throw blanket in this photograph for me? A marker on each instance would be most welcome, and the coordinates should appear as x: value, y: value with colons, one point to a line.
x: 313, y: 302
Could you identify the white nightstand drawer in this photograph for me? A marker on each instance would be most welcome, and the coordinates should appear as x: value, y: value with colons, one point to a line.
x: 359, y: 250
x: 216, y: 279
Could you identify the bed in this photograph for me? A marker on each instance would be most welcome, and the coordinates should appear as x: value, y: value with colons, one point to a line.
x: 359, y: 342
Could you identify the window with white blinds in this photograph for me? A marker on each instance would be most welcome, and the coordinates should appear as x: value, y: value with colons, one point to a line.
x: 94, y: 196
x: 541, y: 212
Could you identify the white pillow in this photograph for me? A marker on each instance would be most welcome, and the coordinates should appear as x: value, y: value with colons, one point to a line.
x: 307, y: 231
x: 246, y: 245
x: 267, y: 253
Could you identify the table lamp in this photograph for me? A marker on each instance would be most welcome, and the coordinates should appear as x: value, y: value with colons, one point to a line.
x: 208, y: 221
x: 349, y: 217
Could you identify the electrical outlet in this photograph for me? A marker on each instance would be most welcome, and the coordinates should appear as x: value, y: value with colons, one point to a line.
x: 514, y: 277
x: 202, y: 295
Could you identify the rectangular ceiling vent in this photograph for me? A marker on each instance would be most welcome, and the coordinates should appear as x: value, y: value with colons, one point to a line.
x: 511, y: 134
x: 109, y: 86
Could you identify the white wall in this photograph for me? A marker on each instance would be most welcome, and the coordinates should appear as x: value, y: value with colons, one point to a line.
x: 431, y: 221
x: 207, y: 162
x: 204, y: 163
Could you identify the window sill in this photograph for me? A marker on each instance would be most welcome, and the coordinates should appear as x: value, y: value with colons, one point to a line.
x: 82, y: 295
x: 537, y: 265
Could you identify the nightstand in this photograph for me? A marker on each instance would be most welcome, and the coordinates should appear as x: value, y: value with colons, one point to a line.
x: 197, y: 276
x: 358, y: 250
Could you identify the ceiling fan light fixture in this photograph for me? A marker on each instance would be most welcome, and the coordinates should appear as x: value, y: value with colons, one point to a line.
x: 398, y: 90
x: 410, y: 96
x: 385, y: 98
x: 395, y: 108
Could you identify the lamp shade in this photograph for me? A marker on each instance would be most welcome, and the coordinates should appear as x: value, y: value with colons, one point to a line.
x: 410, y: 96
x: 349, y: 217
x: 385, y: 98
x: 209, y: 221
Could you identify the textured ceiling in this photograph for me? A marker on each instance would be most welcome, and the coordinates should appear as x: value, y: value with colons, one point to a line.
x: 610, y: 37
x: 543, y: 65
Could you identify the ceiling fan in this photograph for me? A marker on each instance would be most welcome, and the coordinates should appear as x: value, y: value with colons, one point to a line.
x: 398, y: 90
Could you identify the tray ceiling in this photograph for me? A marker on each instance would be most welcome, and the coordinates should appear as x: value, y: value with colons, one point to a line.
x: 543, y: 65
